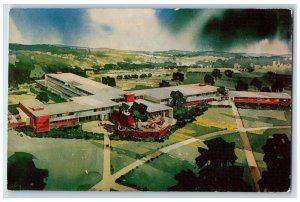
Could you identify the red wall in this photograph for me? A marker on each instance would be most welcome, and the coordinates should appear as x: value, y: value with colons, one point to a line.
x: 129, y: 97
x: 193, y: 103
x: 15, y: 125
x: 262, y: 101
x: 122, y: 119
x: 145, y: 134
x: 65, y: 123
x: 42, y: 123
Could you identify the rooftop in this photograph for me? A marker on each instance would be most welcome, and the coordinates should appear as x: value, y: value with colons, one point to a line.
x: 51, y: 109
x: 152, y: 107
x: 186, y: 90
x: 258, y: 94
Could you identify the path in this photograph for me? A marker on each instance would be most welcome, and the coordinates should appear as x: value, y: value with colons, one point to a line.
x: 108, y: 181
x: 247, y: 148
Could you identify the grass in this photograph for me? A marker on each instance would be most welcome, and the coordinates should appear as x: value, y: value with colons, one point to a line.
x: 258, y: 140
x: 260, y: 118
x: 128, y: 151
x: 72, y: 164
x: 158, y: 174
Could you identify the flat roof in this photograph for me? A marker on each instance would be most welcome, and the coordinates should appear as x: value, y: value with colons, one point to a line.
x: 152, y: 107
x: 87, y: 84
x: 55, y: 108
x: 258, y: 94
x: 186, y: 90
x: 96, y: 101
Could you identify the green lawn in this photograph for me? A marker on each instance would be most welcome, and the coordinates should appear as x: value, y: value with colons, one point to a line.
x: 158, y: 174
x: 124, y: 154
x: 259, y: 140
x: 72, y: 164
x: 260, y: 118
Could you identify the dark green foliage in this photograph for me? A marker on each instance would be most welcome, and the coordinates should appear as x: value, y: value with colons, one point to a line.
x: 241, y: 86
x: 278, y: 159
x: 277, y: 86
x: 43, y: 97
x: 123, y: 107
x: 217, y: 172
x: 22, y: 173
x: 110, y: 81
x: 228, y: 73
x: 164, y: 83
x: 257, y: 83
x: 139, y: 112
x: 177, y: 99
x: 216, y: 73
x: 222, y: 90
x: 142, y: 76
x: 177, y: 76
x: 265, y: 89
x: 119, y: 77
x: 70, y: 132
x: 149, y: 75
x: 186, y: 115
x: 208, y: 79
x: 13, y: 109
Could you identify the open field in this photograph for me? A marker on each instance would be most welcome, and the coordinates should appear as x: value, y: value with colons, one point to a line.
x: 259, y: 118
x: 61, y: 157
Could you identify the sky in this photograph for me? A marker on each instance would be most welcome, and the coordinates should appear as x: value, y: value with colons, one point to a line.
x: 229, y: 30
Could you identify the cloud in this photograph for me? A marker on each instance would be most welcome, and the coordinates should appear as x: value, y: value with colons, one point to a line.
x: 275, y: 47
x: 132, y: 29
x: 15, y: 35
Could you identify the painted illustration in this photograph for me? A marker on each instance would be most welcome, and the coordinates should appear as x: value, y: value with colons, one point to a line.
x: 146, y: 99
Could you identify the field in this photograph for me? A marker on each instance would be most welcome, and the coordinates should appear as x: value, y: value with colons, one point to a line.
x: 61, y: 157
x: 260, y: 118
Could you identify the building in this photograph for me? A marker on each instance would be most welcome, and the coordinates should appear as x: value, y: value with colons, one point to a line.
x: 260, y: 97
x: 89, y: 100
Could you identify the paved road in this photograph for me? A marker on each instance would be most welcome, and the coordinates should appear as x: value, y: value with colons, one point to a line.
x: 247, y: 148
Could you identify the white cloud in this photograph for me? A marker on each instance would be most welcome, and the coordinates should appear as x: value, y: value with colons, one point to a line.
x: 15, y: 35
x: 132, y: 29
x: 42, y: 36
x: 276, y: 47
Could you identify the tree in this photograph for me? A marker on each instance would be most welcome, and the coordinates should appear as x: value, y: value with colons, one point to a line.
x: 256, y: 82
x: 43, y: 97
x: 177, y: 76
x: 123, y: 107
x: 217, y: 172
x: 228, y: 73
x: 149, y: 75
x: 119, y: 77
x: 177, y: 99
x: 142, y: 76
x: 110, y: 81
x: 277, y: 86
x: 278, y: 159
x: 139, y: 112
x: 271, y: 76
x: 216, y: 73
x: 265, y: 89
x: 222, y: 90
x: 208, y: 79
x: 241, y: 86
x: 164, y: 83
x: 22, y: 173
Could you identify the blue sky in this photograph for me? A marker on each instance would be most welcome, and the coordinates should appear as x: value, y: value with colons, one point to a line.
x: 154, y: 29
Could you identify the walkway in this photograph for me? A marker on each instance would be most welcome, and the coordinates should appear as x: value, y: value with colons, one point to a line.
x: 109, y: 181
